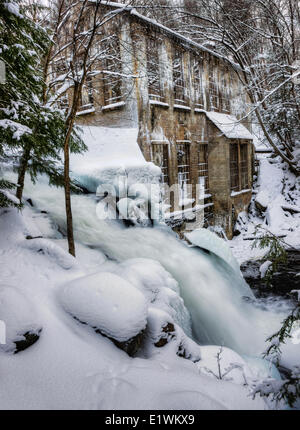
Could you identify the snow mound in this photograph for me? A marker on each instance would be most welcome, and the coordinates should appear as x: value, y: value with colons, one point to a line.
x: 47, y: 247
x: 208, y: 240
x: 107, y: 302
x: 224, y: 364
x: 112, y: 153
x: 17, y: 316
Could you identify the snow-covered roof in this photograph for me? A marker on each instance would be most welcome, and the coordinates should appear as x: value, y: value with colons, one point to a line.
x: 229, y: 125
x: 185, y: 40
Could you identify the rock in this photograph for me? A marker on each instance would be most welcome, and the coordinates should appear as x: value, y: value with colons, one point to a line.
x: 167, y: 333
x: 22, y: 328
x: 109, y: 304
x: 30, y: 202
x: 284, y: 280
x: 262, y: 202
x: 131, y: 346
x: 30, y: 338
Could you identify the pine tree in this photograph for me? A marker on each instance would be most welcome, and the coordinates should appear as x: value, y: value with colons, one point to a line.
x: 31, y: 133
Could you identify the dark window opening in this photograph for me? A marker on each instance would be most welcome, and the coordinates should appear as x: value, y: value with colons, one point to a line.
x: 239, y: 166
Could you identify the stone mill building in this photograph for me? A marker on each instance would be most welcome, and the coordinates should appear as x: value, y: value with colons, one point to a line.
x: 189, y: 105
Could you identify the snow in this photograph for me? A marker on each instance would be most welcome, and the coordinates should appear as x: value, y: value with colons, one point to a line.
x: 112, y: 153
x: 229, y: 125
x: 13, y: 8
x: 113, y: 106
x: 107, y: 302
x: 176, y: 106
x: 237, y: 193
x: 72, y: 367
x: 18, y: 129
x: 264, y: 268
x: 18, y: 314
x: 158, y: 103
x: 85, y: 112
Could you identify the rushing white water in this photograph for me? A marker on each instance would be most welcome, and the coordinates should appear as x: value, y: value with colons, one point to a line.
x: 212, y: 291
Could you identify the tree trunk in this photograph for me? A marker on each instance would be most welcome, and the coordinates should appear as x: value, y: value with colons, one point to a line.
x: 22, y: 171
x: 69, y: 216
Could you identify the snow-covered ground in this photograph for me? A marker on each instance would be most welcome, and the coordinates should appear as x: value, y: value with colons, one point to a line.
x: 71, y: 366
x: 124, y: 281
x: 277, y: 193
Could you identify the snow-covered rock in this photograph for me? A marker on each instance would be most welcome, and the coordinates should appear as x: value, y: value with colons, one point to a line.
x: 108, y: 303
x: 224, y: 364
x: 157, y: 285
x: 18, y: 320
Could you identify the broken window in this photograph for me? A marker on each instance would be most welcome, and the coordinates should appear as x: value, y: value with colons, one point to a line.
x: 154, y: 83
x: 86, y: 98
x: 112, y: 70
x: 203, y: 169
x: 160, y: 157
x: 234, y: 167
x: 183, y: 163
x: 244, y: 166
x: 224, y: 92
x: 198, y: 82
x: 178, y: 78
x: 213, y: 90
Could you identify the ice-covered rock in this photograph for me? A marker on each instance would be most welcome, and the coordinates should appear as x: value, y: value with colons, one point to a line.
x: 208, y: 240
x: 110, y: 305
x: 19, y: 323
x: 163, y: 332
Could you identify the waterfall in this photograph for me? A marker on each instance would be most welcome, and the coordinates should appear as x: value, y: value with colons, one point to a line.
x: 212, y: 290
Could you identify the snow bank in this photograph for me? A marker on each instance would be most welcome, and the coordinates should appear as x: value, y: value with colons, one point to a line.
x: 112, y: 152
x: 106, y: 302
x: 224, y: 364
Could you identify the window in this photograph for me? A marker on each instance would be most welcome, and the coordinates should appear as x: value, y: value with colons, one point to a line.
x: 239, y: 166
x: 203, y: 169
x: 213, y: 90
x: 87, y: 98
x: 198, y: 83
x: 244, y: 166
x: 178, y: 78
x: 154, y: 84
x: 234, y: 167
x: 112, y: 70
x: 183, y: 163
x: 160, y: 157
x: 224, y: 93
